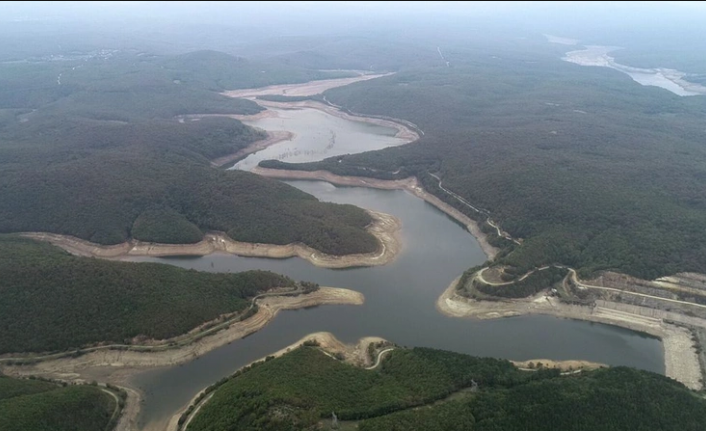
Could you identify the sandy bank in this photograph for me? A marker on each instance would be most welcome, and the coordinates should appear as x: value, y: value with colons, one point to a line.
x: 304, y: 89
x: 268, y: 307
x: 409, y: 184
x: 272, y: 138
x: 265, y: 113
x: 564, y: 366
x: 681, y: 360
x: 384, y: 227
x: 131, y: 409
x: 117, y: 367
x: 596, y: 55
x: 403, y: 131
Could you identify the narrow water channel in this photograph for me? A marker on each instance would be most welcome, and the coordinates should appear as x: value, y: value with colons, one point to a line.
x: 400, y: 297
x: 400, y: 306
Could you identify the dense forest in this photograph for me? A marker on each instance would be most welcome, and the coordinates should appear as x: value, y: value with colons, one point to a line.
x: 33, y: 405
x: 103, y: 158
x: 127, y: 85
x: 299, y: 389
x: 55, y: 301
x: 607, y: 400
x: 591, y: 169
x: 296, y: 390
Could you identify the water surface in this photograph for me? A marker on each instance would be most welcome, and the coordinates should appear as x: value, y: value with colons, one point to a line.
x: 669, y: 79
x: 399, y: 306
x: 318, y: 135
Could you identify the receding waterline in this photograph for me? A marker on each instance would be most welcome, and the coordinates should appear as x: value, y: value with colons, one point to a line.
x: 400, y: 306
x: 316, y: 136
x: 400, y: 297
x: 669, y: 79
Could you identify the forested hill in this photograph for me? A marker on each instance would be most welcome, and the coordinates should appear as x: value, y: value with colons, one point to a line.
x: 301, y: 389
x: 33, y: 405
x: 219, y: 71
x: 591, y: 169
x: 92, y: 149
x: 126, y: 85
x: 53, y: 301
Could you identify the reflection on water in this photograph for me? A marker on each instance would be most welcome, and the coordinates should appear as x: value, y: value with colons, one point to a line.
x: 400, y: 306
x: 318, y: 135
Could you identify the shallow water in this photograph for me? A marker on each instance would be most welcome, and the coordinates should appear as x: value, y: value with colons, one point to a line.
x: 318, y: 135
x: 599, y: 56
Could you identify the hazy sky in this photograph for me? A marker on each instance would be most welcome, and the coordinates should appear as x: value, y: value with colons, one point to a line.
x: 620, y: 23
x: 112, y: 9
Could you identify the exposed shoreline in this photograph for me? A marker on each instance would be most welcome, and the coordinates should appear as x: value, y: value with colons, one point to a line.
x: 272, y: 138
x: 597, y: 55
x: 680, y: 356
x: 117, y: 367
x: 384, y: 227
x: 410, y: 184
x: 567, y: 367
x: 302, y: 89
x: 404, y: 132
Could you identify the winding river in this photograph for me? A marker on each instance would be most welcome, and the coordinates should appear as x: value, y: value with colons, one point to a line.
x: 400, y: 297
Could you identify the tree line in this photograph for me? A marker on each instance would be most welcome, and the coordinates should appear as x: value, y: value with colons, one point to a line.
x: 53, y: 301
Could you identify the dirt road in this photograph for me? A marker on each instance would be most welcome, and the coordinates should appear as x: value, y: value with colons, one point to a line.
x: 379, y: 358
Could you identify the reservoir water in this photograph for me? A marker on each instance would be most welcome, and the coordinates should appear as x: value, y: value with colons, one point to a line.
x: 400, y: 297
x: 399, y: 305
x: 669, y: 79
x: 317, y: 135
